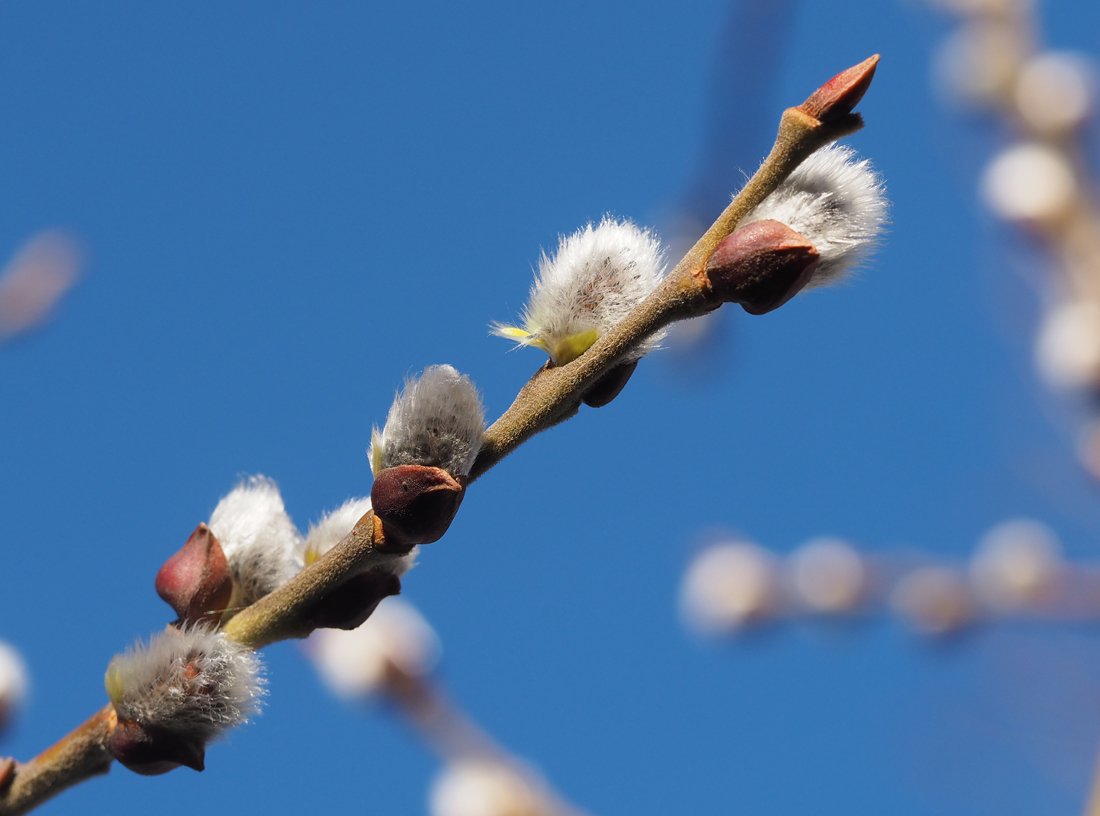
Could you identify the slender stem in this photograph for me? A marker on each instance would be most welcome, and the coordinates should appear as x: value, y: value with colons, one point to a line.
x: 450, y: 732
x: 455, y: 737
x: 286, y: 612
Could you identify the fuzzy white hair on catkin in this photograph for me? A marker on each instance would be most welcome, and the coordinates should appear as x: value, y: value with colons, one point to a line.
x: 437, y: 420
x: 261, y: 543
x: 193, y: 681
x: 838, y: 202
x: 333, y: 526
x: 593, y: 281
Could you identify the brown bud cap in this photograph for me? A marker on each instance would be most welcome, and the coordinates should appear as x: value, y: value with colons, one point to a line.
x: 761, y: 266
x: 196, y: 581
x: 351, y: 603
x: 838, y: 97
x: 607, y: 387
x: 7, y: 772
x: 415, y: 503
x: 151, y: 751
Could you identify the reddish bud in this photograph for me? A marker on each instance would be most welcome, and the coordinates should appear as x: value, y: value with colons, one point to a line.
x: 196, y: 581
x: 838, y: 97
x: 7, y: 772
x: 415, y: 504
x: 607, y: 387
x: 151, y: 751
x: 351, y: 603
x: 761, y: 266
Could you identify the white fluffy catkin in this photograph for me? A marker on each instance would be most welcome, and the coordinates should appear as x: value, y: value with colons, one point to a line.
x: 597, y: 276
x: 193, y: 681
x: 331, y: 529
x: 260, y: 542
x: 437, y: 420
x: 837, y: 202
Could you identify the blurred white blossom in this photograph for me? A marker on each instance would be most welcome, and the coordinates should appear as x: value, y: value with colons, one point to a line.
x: 1055, y: 92
x: 1018, y: 566
x: 14, y: 681
x: 730, y: 585
x: 356, y: 663
x: 1029, y: 182
x: 1067, y: 349
x: 478, y: 787
x: 934, y: 600
x: 828, y: 575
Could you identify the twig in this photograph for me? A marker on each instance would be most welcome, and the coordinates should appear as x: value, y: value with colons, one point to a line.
x: 79, y: 755
x: 551, y: 396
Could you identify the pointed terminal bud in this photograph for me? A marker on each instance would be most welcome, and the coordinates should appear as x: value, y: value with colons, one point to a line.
x: 196, y: 581
x: 607, y: 387
x: 415, y: 503
x: 355, y: 600
x: 761, y: 266
x: 838, y: 97
x: 151, y: 751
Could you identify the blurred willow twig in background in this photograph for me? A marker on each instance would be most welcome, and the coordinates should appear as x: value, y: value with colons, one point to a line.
x: 1018, y: 573
x: 393, y: 658
x: 1042, y: 182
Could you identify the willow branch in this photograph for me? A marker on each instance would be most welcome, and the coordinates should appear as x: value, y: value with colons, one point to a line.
x: 78, y: 756
x: 554, y: 394
x: 551, y: 396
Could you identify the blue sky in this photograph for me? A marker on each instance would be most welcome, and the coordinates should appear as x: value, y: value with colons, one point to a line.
x: 288, y: 208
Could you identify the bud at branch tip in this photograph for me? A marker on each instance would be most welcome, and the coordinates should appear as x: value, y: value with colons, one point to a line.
x: 838, y: 97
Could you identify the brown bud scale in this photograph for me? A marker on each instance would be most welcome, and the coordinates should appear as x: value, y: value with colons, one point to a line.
x: 607, y: 387
x: 351, y: 603
x: 415, y: 503
x: 760, y: 266
x: 151, y: 751
x: 196, y: 582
